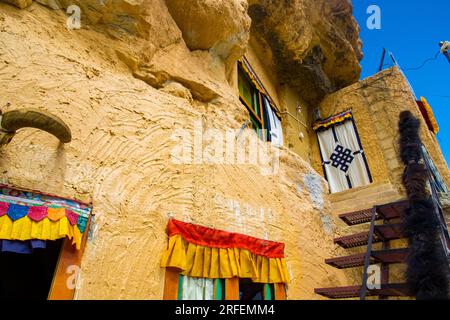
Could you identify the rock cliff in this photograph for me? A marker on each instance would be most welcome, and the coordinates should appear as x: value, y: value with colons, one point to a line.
x: 137, y: 73
x: 315, y: 43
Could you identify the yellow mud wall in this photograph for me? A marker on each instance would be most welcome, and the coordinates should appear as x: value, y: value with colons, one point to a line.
x: 124, y: 121
x: 297, y: 123
x: 259, y: 57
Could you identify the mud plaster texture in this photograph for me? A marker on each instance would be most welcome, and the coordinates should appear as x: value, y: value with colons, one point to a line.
x: 124, y: 86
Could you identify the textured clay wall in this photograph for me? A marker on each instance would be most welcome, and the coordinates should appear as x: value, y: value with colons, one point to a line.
x: 124, y: 98
x: 376, y: 103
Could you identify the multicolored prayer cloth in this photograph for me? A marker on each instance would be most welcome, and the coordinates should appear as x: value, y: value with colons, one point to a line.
x: 22, y: 247
x: 29, y: 215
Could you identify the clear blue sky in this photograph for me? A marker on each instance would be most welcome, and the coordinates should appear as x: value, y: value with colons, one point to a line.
x: 411, y: 30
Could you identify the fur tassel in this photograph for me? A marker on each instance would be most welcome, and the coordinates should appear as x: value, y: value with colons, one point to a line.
x: 428, y: 269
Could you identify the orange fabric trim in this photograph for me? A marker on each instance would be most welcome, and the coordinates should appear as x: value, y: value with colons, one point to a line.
x: 56, y: 214
x: 213, y: 238
x: 427, y: 113
x: 339, y: 118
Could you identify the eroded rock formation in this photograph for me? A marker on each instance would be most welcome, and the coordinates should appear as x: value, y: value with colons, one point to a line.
x: 222, y: 26
x: 315, y: 43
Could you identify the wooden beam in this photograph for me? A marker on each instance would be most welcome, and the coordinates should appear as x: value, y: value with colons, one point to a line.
x: 67, y: 269
x: 232, y: 289
x: 280, y: 291
x: 172, y: 278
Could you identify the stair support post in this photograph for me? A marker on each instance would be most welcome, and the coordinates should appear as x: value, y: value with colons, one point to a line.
x: 385, y: 266
x: 363, y: 293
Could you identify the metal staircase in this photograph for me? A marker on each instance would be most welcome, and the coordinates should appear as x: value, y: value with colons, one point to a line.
x: 378, y: 233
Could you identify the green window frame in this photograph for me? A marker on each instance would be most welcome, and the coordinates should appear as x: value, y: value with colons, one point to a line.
x: 252, y: 99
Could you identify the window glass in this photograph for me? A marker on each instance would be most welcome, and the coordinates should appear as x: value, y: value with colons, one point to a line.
x: 249, y: 290
x: 256, y: 107
x: 245, y: 89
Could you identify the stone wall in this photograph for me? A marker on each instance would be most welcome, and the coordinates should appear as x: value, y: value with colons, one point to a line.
x: 376, y: 103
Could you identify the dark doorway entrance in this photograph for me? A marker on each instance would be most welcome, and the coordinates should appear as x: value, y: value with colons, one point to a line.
x: 249, y: 290
x: 28, y: 276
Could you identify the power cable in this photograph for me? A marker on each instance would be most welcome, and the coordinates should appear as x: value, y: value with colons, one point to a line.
x: 423, y: 63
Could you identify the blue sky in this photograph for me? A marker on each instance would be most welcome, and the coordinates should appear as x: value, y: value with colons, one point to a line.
x: 411, y: 30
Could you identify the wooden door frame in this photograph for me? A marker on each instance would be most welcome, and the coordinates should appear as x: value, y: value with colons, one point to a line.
x: 69, y: 257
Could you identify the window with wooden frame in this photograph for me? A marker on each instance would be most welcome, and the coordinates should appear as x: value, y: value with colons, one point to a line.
x: 232, y: 289
x: 46, y: 235
x: 343, y: 158
x: 264, y: 115
x: 221, y: 265
x: 251, y: 98
x: 68, y: 267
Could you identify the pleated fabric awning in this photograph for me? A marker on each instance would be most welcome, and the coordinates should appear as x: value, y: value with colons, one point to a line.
x: 331, y: 121
x: 203, y: 252
x: 30, y: 215
x: 428, y: 115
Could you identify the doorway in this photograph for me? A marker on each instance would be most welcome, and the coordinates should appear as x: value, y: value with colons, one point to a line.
x: 29, y: 276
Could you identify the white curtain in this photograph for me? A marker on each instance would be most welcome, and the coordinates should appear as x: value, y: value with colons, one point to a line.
x: 274, y: 125
x: 197, y: 289
x: 344, y: 161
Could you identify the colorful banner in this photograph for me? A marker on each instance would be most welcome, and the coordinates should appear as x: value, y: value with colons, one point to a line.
x: 339, y: 118
x: 29, y: 215
x: 203, y: 252
x: 428, y: 115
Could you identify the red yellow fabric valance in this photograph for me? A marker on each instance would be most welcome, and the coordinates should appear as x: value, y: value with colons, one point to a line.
x: 30, y: 215
x: 209, y: 253
x: 339, y: 118
x: 428, y: 114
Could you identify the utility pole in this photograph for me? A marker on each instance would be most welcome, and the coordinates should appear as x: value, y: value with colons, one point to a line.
x: 445, y: 49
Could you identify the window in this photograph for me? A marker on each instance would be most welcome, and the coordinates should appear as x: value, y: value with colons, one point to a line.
x: 180, y: 287
x: 208, y: 264
x: 46, y: 254
x: 27, y: 269
x: 251, y: 98
x: 437, y: 180
x: 249, y: 290
x: 343, y: 157
x: 263, y: 113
